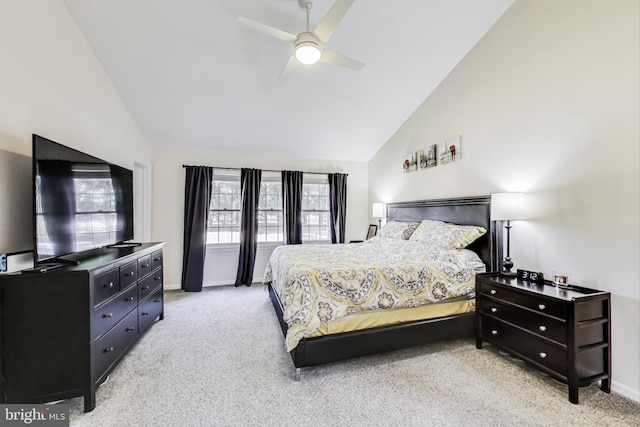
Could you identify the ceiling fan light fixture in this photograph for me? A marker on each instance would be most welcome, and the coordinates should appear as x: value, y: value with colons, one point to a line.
x: 308, y: 53
x: 307, y: 48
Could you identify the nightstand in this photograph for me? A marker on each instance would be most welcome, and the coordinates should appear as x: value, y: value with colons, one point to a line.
x: 564, y: 332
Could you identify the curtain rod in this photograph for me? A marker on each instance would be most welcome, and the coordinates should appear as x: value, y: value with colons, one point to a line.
x: 266, y: 170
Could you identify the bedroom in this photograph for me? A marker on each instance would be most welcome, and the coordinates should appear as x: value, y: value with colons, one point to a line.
x: 561, y: 125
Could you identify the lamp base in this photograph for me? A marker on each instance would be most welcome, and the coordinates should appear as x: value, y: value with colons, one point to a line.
x: 507, y: 265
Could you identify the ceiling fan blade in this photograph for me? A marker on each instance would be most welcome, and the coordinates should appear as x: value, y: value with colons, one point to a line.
x: 331, y: 57
x: 328, y: 25
x: 266, y: 29
x: 291, y: 65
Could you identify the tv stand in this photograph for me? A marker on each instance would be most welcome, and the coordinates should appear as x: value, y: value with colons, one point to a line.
x: 65, y: 331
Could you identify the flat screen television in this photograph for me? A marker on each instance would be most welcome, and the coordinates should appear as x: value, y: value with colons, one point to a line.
x: 80, y: 202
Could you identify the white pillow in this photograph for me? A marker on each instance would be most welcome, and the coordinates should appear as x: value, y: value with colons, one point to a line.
x: 398, y: 230
x: 447, y: 235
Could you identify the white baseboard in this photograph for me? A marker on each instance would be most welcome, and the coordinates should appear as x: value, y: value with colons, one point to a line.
x: 625, y: 391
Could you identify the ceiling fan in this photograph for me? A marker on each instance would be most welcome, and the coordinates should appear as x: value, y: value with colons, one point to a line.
x: 308, y: 46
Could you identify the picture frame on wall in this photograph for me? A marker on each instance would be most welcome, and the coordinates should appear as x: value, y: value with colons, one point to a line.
x: 451, y: 150
x: 410, y: 162
x: 428, y: 158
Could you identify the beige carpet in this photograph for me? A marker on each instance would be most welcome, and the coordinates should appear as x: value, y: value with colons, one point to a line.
x: 218, y: 359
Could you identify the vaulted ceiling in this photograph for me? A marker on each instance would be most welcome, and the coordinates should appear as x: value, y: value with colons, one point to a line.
x: 193, y: 77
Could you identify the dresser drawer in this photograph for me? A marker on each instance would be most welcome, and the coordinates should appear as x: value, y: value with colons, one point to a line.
x: 112, y: 312
x: 525, y: 344
x: 128, y: 274
x: 536, y: 303
x: 150, y: 309
x: 108, y: 348
x: 539, y: 324
x: 105, y: 286
x: 156, y: 259
x: 144, y: 266
x: 147, y: 285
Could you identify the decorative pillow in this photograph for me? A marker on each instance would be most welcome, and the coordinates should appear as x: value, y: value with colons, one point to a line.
x: 448, y: 235
x: 398, y: 230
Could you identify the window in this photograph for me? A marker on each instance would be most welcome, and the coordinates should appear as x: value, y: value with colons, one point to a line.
x: 224, y: 212
x: 315, y: 208
x: 270, y: 225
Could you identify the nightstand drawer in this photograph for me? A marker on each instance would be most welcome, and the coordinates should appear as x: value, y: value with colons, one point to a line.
x: 541, y: 325
x: 533, y: 302
x: 525, y: 344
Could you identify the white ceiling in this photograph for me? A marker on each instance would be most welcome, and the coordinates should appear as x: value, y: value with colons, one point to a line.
x: 193, y: 77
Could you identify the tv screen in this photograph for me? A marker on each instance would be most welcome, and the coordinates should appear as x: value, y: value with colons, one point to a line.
x: 80, y: 202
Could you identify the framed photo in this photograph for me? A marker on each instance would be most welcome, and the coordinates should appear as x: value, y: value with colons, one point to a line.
x: 451, y: 150
x: 428, y: 157
x: 560, y: 280
x: 410, y: 162
x: 373, y: 230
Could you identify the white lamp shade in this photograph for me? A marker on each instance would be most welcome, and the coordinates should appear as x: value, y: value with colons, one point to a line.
x: 308, y: 53
x: 507, y: 206
x: 377, y: 210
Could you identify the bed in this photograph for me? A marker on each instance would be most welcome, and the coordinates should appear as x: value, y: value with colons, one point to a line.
x: 331, y: 335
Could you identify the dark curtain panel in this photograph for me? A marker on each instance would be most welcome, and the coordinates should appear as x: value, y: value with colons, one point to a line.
x: 197, y: 196
x: 337, y: 205
x: 58, y: 208
x: 250, y: 190
x: 292, y: 206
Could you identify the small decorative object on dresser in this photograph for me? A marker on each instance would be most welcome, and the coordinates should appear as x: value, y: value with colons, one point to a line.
x: 560, y: 279
x: 373, y: 230
x: 565, y: 333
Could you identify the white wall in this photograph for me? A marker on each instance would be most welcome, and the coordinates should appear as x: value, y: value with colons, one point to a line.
x: 52, y: 84
x: 221, y: 265
x: 547, y: 103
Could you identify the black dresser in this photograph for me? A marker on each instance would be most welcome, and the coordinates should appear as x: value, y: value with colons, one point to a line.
x: 65, y: 330
x: 564, y: 332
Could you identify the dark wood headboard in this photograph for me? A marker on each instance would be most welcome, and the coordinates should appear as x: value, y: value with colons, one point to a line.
x: 463, y: 211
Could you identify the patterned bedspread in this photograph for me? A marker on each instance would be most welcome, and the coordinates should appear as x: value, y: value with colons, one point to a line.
x: 320, y: 283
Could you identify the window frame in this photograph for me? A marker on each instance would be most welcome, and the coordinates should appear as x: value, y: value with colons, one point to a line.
x: 233, y: 175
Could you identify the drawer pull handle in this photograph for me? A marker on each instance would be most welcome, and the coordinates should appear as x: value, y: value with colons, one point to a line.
x: 157, y: 278
x: 157, y: 300
x: 493, y: 291
x: 494, y: 310
x: 108, y: 285
x: 145, y: 287
x: 542, y: 328
x: 541, y: 306
x: 129, y: 299
x: 145, y: 265
x: 108, y: 350
x: 130, y: 328
x: 128, y: 274
x: 494, y: 332
x: 157, y: 259
x: 107, y: 315
x: 144, y: 313
x: 543, y: 355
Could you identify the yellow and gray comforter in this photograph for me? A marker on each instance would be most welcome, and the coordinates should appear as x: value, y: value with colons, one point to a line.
x: 322, y: 283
